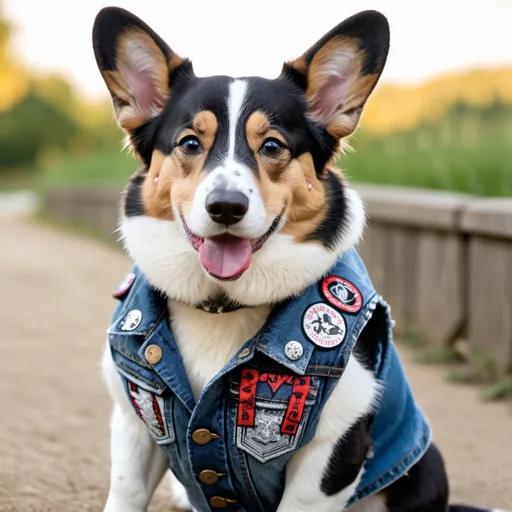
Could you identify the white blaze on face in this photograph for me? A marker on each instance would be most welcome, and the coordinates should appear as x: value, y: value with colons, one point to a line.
x: 233, y: 175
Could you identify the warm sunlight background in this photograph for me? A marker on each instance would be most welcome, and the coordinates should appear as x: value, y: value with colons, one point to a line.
x: 441, y: 116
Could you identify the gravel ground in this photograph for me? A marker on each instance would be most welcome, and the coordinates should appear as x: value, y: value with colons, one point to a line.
x: 55, y: 306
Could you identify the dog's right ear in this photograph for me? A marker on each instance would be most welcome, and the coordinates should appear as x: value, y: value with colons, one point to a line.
x: 136, y: 65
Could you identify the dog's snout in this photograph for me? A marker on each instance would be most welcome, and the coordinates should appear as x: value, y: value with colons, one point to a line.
x: 226, y: 206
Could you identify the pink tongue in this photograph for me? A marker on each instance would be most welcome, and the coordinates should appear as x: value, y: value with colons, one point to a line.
x: 226, y: 256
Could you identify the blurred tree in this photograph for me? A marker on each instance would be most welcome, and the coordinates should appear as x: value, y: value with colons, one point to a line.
x: 30, y: 126
x: 13, y: 78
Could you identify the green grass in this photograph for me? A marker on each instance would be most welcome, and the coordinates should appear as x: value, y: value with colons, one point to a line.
x: 469, y: 151
x: 108, y: 169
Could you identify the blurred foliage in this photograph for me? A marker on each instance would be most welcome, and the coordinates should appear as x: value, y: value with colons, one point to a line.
x: 103, y: 168
x: 468, y: 150
x: 42, y: 119
x: 401, y: 107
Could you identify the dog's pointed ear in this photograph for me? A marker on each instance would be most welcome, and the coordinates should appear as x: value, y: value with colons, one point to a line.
x: 340, y: 71
x: 136, y: 65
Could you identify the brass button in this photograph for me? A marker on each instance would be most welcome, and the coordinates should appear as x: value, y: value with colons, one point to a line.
x: 210, y: 477
x: 203, y: 436
x: 153, y: 354
x: 219, y: 502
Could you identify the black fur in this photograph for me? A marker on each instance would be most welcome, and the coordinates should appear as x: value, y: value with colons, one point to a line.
x: 423, y: 489
x: 369, y: 344
x: 133, y: 204
x: 347, y: 458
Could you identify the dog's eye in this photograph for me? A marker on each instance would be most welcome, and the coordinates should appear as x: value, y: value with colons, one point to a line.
x: 190, y: 145
x: 272, y: 148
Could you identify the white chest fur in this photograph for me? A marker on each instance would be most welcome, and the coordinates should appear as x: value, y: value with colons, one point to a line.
x: 208, y: 341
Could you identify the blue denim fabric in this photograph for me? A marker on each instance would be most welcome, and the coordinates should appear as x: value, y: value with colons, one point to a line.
x: 252, y: 459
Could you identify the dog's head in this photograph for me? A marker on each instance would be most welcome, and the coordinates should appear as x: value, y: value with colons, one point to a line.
x: 236, y: 195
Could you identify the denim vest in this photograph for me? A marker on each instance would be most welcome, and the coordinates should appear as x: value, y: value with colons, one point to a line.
x: 230, y: 448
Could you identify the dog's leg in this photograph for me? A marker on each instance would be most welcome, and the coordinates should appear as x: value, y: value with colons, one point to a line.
x: 179, y: 498
x: 324, y: 474
x: 137, y: 462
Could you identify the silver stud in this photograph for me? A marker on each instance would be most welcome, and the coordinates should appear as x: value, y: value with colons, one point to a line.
x: 293, y: 350
x: 132, y: 320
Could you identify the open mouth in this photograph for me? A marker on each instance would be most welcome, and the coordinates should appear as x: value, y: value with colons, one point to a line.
x: 227, y: 256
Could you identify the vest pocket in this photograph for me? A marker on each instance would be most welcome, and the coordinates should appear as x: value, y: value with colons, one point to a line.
x: 149, y: 395
x: 273, y: 424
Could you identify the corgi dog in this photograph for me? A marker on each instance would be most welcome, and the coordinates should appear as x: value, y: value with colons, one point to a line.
x: 248, y: 351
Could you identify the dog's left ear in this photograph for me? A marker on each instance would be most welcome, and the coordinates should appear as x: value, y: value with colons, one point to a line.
x: 340, y: 71
x: 136, y: 64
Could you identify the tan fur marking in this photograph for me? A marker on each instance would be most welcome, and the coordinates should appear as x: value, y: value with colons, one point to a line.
x: 257, y: 129
x: 129, y: 114
x: 299, y: 65
x: 205, y: 125
x: 156, y: 197
x: 305, y: 208
x: 345, y: 120
x: 178, y: 178
x: 175, y: 62
x: 308, y: 207
x: 317, y: 76
x: 283, y: 182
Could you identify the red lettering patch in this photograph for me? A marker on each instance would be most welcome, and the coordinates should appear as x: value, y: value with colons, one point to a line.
x: 296, y: 405
x: 275, y: 381
x: 247, y: 398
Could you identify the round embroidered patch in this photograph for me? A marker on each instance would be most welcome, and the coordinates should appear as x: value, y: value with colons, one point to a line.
x: 124, y: 286
x: 323, y: 325
x: 342, y: 293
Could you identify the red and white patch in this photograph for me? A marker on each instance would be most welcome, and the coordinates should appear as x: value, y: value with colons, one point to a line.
x: 342, y: 294
x: 247, y: 397
x: 124, y: 286
x: 323, y: 325
x: 295, y: 409
x: 151, y: 410
x: 275, y: 381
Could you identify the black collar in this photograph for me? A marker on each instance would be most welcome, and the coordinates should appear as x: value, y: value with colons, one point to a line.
x: 222, y: 304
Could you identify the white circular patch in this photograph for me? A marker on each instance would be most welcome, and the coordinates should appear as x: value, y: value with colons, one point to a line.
x: 293, y: 350
x: 132, y: 320
x: 323, y: 325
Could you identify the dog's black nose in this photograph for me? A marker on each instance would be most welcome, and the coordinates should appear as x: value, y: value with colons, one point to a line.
x: 226, y: 206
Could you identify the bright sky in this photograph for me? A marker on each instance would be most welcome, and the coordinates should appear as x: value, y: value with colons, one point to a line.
x: 253, y: 38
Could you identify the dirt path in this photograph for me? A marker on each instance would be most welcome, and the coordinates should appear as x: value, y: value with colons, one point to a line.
x: 55, y: 306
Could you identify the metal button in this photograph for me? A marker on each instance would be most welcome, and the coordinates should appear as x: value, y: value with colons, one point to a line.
x: 210, y: 477
x: 153, y: 354
x: 219, y: 502
x: 203, y: 436
x: 293, y: 350
x: 132, y: 320
x: 245, y: 352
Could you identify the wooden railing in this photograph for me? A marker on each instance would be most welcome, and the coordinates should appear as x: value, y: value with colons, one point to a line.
x: 443, y: 261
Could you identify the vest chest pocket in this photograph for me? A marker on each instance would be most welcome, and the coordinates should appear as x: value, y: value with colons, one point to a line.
x: 147, y: 392
x: 271, y: 412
